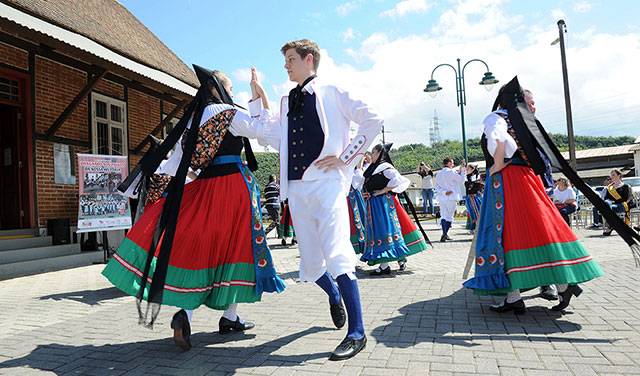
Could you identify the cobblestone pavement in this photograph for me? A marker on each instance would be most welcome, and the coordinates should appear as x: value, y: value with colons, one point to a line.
x: 420, y: 321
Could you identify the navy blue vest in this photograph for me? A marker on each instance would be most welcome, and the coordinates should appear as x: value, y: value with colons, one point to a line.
x: 306, y: 137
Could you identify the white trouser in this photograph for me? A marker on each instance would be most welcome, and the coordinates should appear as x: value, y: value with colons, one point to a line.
x: 320, y: 217
x: 447, y: 209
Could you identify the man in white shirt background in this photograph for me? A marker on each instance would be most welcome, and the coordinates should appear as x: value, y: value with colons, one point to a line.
x: 448, y: 189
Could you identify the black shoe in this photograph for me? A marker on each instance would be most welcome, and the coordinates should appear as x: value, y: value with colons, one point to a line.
x: 225, y: 325
x: 517, y: 307
x: 607, y: 231
x: 565, y: 297
x: 637, y: 228
x: 381, y: 271
x: 402, y: 264
x: 448, y: 238
x: 283, y: 242
x: 348, y: 348
x: 549, y: 293
x: 338, y: 314
x: 443, y: 238
x: 181, y: 330
x: 293, y: 241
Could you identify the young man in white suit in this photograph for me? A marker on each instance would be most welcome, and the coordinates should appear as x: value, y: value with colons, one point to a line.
x: 317, y: 160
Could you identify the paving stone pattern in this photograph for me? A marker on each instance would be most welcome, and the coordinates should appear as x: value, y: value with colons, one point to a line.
x: 418, y: 322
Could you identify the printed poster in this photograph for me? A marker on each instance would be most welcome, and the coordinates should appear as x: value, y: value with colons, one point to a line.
x: 101, y: 207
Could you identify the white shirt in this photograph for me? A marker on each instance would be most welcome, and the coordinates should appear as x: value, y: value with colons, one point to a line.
x: 395, y: 178
x: 449, y: 180
x: 336, y: 109
x: 427, y: 181
x: 495, y: 129
x: 564, y: 196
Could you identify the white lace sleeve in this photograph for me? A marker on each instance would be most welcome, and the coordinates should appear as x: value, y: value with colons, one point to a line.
x: 495, y: 129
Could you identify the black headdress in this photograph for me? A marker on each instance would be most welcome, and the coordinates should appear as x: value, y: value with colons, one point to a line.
x: 168, y: 220
x: 383, y: 157
x: 533, y: 137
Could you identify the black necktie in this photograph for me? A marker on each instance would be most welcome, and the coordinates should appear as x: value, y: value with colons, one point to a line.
x: 295, y: 97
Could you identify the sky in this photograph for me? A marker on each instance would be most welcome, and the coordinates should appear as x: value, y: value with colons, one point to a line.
x: 384, y: 52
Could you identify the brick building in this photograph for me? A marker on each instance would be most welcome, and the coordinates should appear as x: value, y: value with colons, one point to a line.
x: 85, y: 75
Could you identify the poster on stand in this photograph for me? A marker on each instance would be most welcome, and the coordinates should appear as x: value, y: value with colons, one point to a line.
x: 101, y: 207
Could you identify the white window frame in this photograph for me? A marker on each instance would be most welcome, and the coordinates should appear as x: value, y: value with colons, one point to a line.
x: 111, y: 123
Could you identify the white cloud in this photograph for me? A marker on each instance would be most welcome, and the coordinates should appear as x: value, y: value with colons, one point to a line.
x: 347, y: 7
x: 582, y: 7
x: 557, y: 14
x: 349, y: 34
x: 244, y: 75
x: 602, y: 90
x: 408, y: 6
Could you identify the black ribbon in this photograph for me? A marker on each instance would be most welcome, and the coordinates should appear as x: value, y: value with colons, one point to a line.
x: 524, y: 123
x: 167, y: 223
x: 295, y: 97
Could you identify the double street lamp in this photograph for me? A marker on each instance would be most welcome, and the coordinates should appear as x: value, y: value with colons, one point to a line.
x: 487, y: 81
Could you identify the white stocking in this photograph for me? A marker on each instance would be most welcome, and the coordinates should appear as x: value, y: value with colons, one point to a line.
x: 383, y: 266
x: 562, y: 287
x: 231, y: 313
x: 513, y: 296
x: 189, y: 314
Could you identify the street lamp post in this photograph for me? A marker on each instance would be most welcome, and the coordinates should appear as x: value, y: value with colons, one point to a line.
x: 487, y: 81
x: 567, y: 99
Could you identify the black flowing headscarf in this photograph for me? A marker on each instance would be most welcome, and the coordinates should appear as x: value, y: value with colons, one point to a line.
x: 533, y: 137
x: 166, y: 225
x: 385, y: 157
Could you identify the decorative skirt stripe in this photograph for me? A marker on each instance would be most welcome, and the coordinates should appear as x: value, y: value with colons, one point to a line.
x: 550, y: 264
x: 183, y: 289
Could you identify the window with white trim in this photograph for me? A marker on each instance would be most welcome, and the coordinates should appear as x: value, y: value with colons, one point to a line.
x: 108, y: 125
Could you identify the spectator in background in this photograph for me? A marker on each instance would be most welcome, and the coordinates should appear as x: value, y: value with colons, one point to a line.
x: 272, y: 197
x: 618, y: 196
x: 427, y: 187
x: 603, y: 193
x: 564, y: 198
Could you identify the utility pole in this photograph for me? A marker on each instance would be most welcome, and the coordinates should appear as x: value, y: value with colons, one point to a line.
x: 562, y: 28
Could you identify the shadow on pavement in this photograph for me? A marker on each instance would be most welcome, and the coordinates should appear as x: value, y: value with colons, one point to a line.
x: 90, y: 297
x: 144, y: 356
x: 462, y: 318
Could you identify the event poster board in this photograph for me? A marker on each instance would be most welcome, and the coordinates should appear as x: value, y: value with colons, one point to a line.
x: 101, y: 207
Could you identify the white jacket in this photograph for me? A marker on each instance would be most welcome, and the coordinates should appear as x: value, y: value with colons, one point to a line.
x: 336, y: 109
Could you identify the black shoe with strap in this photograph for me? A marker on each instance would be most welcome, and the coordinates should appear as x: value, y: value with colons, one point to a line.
x: 181, y: 330
x: 517, y: 307
x: 379, y: 271
x: 565, y: 297
x: 348, y: 348
x: 225, y: 325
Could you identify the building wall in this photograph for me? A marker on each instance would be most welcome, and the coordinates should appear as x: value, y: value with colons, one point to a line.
x: 14, y: 57
x: 56, y: 85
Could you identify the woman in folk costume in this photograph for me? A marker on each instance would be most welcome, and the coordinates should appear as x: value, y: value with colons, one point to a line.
x: 473, y: 186
x: 390, y: 233
x: 285, y: 229
x: 522, y: 242
x: 207, y: 237
x: 357, y: 212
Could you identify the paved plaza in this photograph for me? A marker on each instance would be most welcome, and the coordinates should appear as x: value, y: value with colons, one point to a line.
x: 420, y: 321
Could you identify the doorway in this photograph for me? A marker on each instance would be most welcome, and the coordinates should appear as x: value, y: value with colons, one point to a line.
x: 16, y: 172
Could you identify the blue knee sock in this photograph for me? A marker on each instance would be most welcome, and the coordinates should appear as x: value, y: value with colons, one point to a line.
x: 445, y: 226
x: 351, y: 296
x: 326, y: 283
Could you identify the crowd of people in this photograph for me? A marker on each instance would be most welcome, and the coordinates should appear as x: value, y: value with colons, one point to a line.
x: 343, y: 201
x: 108, y: 204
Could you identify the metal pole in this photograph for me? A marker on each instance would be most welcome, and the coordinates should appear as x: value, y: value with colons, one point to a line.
x: 567, y: 99
x: 461, y: 103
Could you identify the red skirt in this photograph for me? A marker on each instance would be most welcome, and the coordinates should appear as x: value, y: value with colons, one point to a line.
x: 211, y: 260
